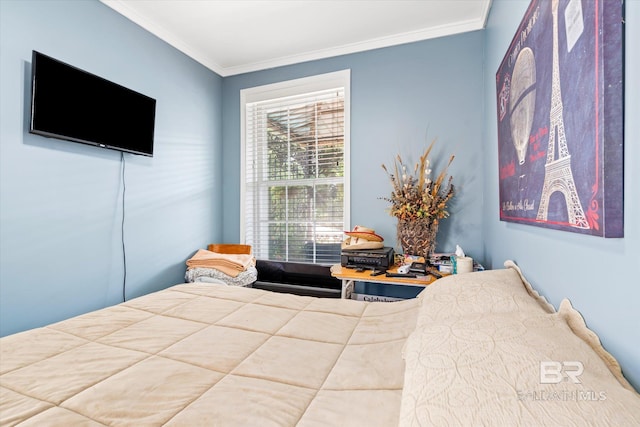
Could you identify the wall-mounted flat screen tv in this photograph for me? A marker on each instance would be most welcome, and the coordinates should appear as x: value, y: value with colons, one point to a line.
x: 72, y: 104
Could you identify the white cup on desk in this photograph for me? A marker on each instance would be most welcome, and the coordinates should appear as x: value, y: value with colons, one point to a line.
x: 464, y: 264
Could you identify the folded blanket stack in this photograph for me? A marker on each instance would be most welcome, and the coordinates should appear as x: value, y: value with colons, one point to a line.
x: 230, y: 264
x: 221, y: 268
x: 211, y: 275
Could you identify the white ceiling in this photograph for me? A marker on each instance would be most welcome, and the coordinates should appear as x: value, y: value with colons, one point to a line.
x: 238, y: 36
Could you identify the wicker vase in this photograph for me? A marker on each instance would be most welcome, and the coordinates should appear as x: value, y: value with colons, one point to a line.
x: 417, y: 237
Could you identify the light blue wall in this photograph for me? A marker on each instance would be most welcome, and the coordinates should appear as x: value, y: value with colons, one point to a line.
x: 401, y: 98
x: 60, y: 207
x: 60, y: 202
x: 599, y: 276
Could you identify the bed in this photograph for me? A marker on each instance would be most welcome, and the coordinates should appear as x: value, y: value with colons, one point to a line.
x: 467, y: 351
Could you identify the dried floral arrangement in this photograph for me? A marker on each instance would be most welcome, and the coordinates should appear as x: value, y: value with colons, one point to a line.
x: 416, y: 196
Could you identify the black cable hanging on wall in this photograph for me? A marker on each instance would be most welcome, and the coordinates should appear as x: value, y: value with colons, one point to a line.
x: 124, y: 251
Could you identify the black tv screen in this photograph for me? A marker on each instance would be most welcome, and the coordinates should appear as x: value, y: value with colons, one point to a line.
x: 72, y: 104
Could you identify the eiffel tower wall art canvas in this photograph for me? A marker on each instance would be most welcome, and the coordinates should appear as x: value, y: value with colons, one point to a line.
x: 560, y: 118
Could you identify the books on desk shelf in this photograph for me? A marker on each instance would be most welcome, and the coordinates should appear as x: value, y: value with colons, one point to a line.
x: 382, y: 298
x: 386, y: 292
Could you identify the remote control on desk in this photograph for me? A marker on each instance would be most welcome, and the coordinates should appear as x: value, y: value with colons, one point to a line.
x: 407, y: 276
x: 435, y: 274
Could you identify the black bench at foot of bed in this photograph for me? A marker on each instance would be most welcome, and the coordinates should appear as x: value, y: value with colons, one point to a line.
x: 297, y: 278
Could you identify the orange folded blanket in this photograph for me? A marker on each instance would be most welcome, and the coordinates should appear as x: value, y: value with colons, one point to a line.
x: 230, y: 264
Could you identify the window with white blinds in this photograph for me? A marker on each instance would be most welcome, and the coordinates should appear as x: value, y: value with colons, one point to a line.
x: 294, y: 181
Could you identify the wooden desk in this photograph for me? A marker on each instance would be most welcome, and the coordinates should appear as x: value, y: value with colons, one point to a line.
x: 349, y: 276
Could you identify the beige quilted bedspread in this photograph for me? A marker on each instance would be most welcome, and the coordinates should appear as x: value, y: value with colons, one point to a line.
x: 198, y: 354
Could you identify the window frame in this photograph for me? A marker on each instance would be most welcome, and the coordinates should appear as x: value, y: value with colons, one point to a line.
x: 289, y: 88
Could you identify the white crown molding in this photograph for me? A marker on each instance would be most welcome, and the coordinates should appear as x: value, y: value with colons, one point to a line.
x: 163, y: 34
x: 485, y: 12
x: 201, y: 57
x: 397, y: 39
